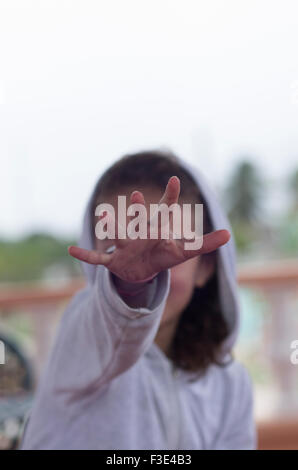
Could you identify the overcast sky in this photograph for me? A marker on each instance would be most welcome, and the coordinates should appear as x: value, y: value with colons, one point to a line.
x: 83, y: 82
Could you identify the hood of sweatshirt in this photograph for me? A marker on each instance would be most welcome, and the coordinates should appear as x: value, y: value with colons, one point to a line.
x: 226, y: 254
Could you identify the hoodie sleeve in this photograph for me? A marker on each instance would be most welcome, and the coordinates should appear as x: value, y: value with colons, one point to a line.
x: 238, y: 429
x: 100, y: 336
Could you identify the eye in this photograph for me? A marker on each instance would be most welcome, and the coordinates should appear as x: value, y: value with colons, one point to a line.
x: 110, y: 249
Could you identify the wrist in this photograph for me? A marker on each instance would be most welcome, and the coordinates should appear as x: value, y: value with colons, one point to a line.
x: 148, y: 279
x: 132, y: 288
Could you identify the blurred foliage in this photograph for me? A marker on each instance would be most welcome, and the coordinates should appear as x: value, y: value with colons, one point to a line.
x: 293, y: 187
x: 244, y: 193
x: 41, y: 256
x: 243, y: 196
x: 289, y: 220
x: 35, y: 257
x: 254, y: 230
x: 243, y: 234
x: 288, y: 235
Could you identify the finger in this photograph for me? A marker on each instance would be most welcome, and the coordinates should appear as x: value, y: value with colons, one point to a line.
x: 170, y: 196
x: 117, y: 229
x: 137, y: 197
x: 172, y: 191
x: 211, y: 241
x: 89, y: 256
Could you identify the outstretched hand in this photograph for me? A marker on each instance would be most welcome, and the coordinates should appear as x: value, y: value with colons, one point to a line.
x: 135, y: 260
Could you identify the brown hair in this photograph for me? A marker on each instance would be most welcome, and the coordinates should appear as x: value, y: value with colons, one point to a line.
x: 199, y: 334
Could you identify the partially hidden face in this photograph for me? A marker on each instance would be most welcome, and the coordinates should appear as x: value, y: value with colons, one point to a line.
x: 185, y: 276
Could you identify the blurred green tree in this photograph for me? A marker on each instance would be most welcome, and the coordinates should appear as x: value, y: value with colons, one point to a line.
x: 244, y: 192
x: 293, y: 189
x: 288, y: 240
x: 36, y: 257
x: 243, y: 202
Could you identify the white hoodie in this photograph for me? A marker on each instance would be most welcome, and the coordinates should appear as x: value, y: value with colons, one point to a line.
x: 107, y: 385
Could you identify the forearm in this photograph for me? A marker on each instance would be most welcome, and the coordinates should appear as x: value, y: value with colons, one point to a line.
x: 101, y: 335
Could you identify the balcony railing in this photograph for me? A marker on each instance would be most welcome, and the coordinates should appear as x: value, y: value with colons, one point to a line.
x: 276, y: 282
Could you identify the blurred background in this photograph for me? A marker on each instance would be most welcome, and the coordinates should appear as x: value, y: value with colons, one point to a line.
x: 82, y: 83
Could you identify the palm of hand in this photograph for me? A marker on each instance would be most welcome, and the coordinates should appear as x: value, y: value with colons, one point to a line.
x: 134, y: 260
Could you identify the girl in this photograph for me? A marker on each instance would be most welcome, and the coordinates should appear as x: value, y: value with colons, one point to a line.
x: 142, y: 359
